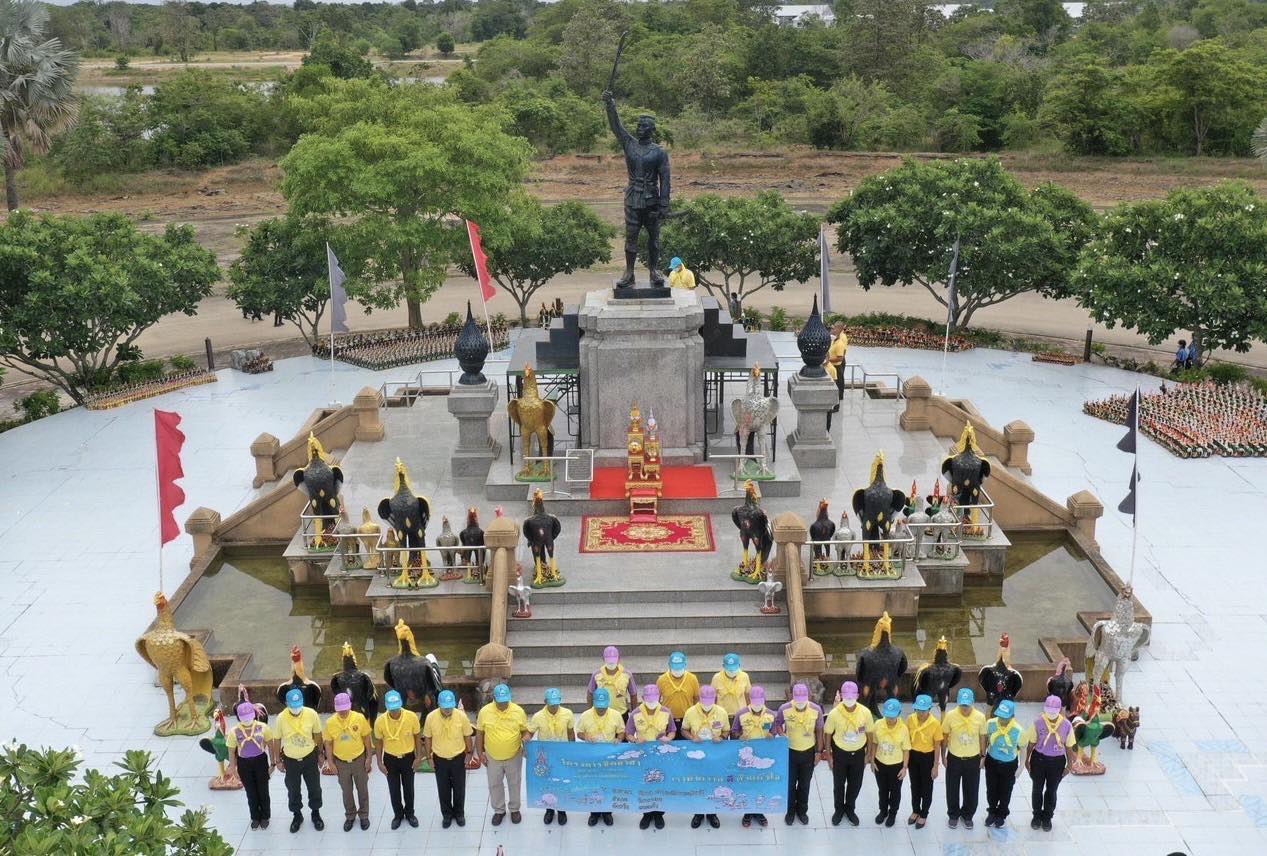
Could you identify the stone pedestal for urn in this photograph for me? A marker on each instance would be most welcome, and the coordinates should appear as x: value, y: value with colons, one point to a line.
x: 813, y: 394
x: 471, y: 401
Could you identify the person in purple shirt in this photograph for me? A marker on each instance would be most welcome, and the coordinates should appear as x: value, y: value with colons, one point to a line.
x: 801, y: 722
x: 1050, y: 740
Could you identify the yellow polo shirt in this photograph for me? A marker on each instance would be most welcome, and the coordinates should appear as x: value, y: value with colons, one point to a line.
x: 732, y: 693
x: 347, y: 735
x: 397, y: 735
x: 617, y: 684
x: 753, y: 725
x: 295, y: 732
x: 647, y: 724
x: 551, y: 727
x: 890, y: 741
x: 681, y: 278
x: 801, y: 726
x: 849, y: 728
x: 706, y: 724
x: 963, y: 733
x: 839, y: 346
x: 924, y: 735
x: 448, y: 733
x: 502, y: 729
x: 677, y: 694
x: 606, y: 728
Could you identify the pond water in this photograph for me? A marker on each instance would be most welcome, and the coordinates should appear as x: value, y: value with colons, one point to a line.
x: 1046, y: 582
x: 245, y: 600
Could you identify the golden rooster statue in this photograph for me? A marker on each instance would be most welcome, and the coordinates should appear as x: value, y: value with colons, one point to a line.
x: 534, y: 415
x: 180, y: 659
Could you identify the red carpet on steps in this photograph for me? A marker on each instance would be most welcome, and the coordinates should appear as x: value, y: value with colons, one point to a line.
x: 679, y: 483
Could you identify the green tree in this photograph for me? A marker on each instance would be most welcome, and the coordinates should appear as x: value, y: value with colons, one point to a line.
x: 109, y: 137
x: 1083, y: 106
x: 47, y: 807
x: 589, y: 44
x: 528, y: 245
x: 180, y: 28
x: 200, y: 119
x: 493, y: 18
x: 444, y: 44
x: 550, y: 117
x: 899, y: 228
x: 36, y: 87
x: 400, y: 161
x: 1195, y: 261
x: 956, y: 131
x: 1042, y: 19
x: 77, y: 292
x: 1210, y: 89
x: 881, y: 39
x: 744, y: 245
x: 343, y: 62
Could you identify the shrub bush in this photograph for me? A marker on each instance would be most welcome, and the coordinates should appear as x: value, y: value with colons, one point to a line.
x: 1226, y: 373
x: 140, y: 371
x: 778, y: 319
x: 182, y: 363
x: 39, y: 404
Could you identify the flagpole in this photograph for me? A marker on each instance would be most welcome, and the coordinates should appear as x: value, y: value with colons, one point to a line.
x: 952, y: 307
x: 158, y: 499
x: 1139, y: 405
x: 330, y: 278
x: 488, y: 325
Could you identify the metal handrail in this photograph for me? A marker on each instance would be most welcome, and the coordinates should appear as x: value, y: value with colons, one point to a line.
x: 850, y: 564
x: 984, y: 529
x: 411, y: 390
x: 897, y: 380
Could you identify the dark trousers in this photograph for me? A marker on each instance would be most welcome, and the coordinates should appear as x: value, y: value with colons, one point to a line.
x: 846, y: 776
x: 962, y: 775
x: 840, y: 382
x: 1046, y: 772
x: 400, y: 783
x: 678, y: 733
x: 1000, y: 776
x: 889, y: 787
x: 304, y: 768
x: 451, y: 783
x: 919, y: 771
x: 800, y: 771
x: 254, y: 775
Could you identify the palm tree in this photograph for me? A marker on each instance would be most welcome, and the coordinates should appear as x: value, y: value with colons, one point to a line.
x: 37, y: 77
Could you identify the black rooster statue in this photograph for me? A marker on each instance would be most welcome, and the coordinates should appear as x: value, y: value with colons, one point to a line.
x: 408, y: 514
x: 356, y: 683
x: 966, y: 468
x: 299, y: 681
x: 754, y: 528
x: 540, y: 530
x: 1000, y: 680
x: 472, y: 536
x: 939, y: 677
x: 881, y: 666
x: 877, y: 506
x: 1060, y: 684
x: 416, y: 678
x: 321, y: 482
x: 822, y: 529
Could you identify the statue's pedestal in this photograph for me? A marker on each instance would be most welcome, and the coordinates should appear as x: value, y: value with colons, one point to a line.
x: 810, y: 443
x: 648, y: 351
x: 476, y: 449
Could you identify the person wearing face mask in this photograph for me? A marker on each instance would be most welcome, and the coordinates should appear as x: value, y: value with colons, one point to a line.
x: 618, y: 681
x: 890, y: 753
x: 1049, y: 757
x: 447, y: 733
x: 553, y: 723
x: 926, y: 738
x: 679, y: 689
x: 1003, y: 734
x: 601, y: 724
x: 250, y: 747
x: 650, y: 722
x: 848, y: 723
x: 297, y: 746
x: 732, y: 685
x: 350, y: 748
x: 754, y: 722
x: 801, y: 721
x: 706, y: 722
x: 963, y: 742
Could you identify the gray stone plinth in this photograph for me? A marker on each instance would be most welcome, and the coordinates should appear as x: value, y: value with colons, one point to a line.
x: 649, y: 351
x: 810, y: 443
x: 476, y: 449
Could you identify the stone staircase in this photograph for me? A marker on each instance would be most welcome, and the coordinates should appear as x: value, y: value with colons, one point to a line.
x: 562, y: 644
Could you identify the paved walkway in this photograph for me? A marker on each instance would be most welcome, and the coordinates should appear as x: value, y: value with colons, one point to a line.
x: 78, y: 527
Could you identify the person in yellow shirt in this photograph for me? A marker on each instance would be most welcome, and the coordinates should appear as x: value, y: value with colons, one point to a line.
x: 925, y: 758
x: 297, y: 746
x: 754, y: 722
x: 732, y: 685
x: 447, y: 732
x: 601, y: 724
x: 553, y: 723
x: 679, y: 276
x: 801, y: 721
x: 650, y: 722
x: 348, y: 743
x: 963, y: 743
x: 398, y: 745
x: 849, y: 725
x: 706, y: 722
x: 679, y: 689
x: 500, y: 731
x: 250, y: 744
x: 835, y: 364
x: 890, y: 753
x: 618, y: 681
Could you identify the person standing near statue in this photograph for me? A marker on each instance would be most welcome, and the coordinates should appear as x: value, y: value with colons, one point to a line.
x: 500, y: 731
x: 849, y: 725
x: 732, y: 684
x: 1003, y: 737
x: 926, y: 740
x: 679, y: 275
x: 706, y: 722
x: 1048, y: 759
x: 250, y: 745
x: 647, y: 193
x: 890, y: 754
x: 447, y: 732
x: 600, y: 724
x: 801, y: 721
x: 616, y: 679
x: 398, y: 744
x: 963, y: 730
x: 297, y: 746
x: 836, y: 359
x: 351, y: 752
x: 679, y: 689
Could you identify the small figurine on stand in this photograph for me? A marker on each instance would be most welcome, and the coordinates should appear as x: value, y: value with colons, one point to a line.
x: 844, y: 546
x: 881, y: 666
x: 1089, y: 730
x: 473, y: 536
x: 321, y: 482
x: 357, y: 684
x: 448, y: 557
x: 523, y: 595
x: 769, y: 588
x: 937, y: 678
x: 1125, y: 724
x: 369, y: 533
x: 939, y: 511
x: 876, y: 506
x: 754, y: 528
x: 540, y: 531
x: 217, y: 745
x: 754, y: 413
x: 821, y: 530
x: 1115, y: 642
x: 1000, y: 681
x: 917, y: 521
x: 1060, y: 684
x: 408, y: 514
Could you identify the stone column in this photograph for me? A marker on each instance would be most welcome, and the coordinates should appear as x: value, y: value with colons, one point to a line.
x: 369, y: 420
x: 476, y: 449
x: 496, y: 660
x: 810, y: 443
x: 1018, y: 436
x: 805, y: 657
x: 264, y: 450
x: 202, y: 525
x: 1086, y: 508
x: 917, y: 393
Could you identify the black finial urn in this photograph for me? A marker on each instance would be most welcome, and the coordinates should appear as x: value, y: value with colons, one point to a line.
x: 472, y: 350
x: 813, y: 342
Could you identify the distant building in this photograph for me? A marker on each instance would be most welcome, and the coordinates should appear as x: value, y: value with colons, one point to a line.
x: 799, y: 16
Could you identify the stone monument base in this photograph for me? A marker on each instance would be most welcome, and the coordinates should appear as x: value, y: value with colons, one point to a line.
x: 641, y: 291
x: 476, y: 449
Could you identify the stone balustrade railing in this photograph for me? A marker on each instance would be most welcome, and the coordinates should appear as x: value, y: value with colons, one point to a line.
x: 805, y: 657
x: 335, y: 428
x: 496, y: 660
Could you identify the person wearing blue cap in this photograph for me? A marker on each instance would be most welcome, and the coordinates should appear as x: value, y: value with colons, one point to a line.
x: 963, y: 742
x: 398, y: 746
x: 297, y: 746
x: 1003, y: 739
x: 679, y: 276
x: 679, y: 689
x: 601, y: 724
x: 500, y: 731
x: 890, y: 751
x: 925, y: 758
x: 733, y: 685
x: 553, y: 724
x: 447, y: 732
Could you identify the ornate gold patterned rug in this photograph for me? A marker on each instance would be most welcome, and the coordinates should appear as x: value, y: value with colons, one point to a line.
x: 671, y: 533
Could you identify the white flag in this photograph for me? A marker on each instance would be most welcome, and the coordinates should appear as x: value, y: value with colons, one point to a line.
x: 824, y: 262
x: 338, y: 297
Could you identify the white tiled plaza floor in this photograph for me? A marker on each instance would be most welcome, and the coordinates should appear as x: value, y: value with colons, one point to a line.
x: 78, y: 570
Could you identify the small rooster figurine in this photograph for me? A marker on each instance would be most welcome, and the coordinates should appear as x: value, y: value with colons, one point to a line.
x: 217, y: 745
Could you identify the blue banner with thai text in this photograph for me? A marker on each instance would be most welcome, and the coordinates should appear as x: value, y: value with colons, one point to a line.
x: 731, y: 776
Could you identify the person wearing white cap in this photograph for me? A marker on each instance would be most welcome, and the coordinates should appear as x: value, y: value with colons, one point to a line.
x: 447, y: 732
x: 963, y: 730
x: 348, y: 743
x: 601, y: 724
x: 801, y: 721
x: 732, y: 684
x: 617, y: 680
x: 297, y: 746
x: 553, y: 724
x: 500, y: 731
x: 1048, y: 759
x: 889, y: 754
x: 754, y: 722
x: 398, y: 744
x: 849, y: 725
x: 650, y: 722
x: 706, y: 722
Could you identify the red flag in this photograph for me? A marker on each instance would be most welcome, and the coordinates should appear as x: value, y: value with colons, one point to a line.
x: 487, y: 291
x: 169, y: 439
